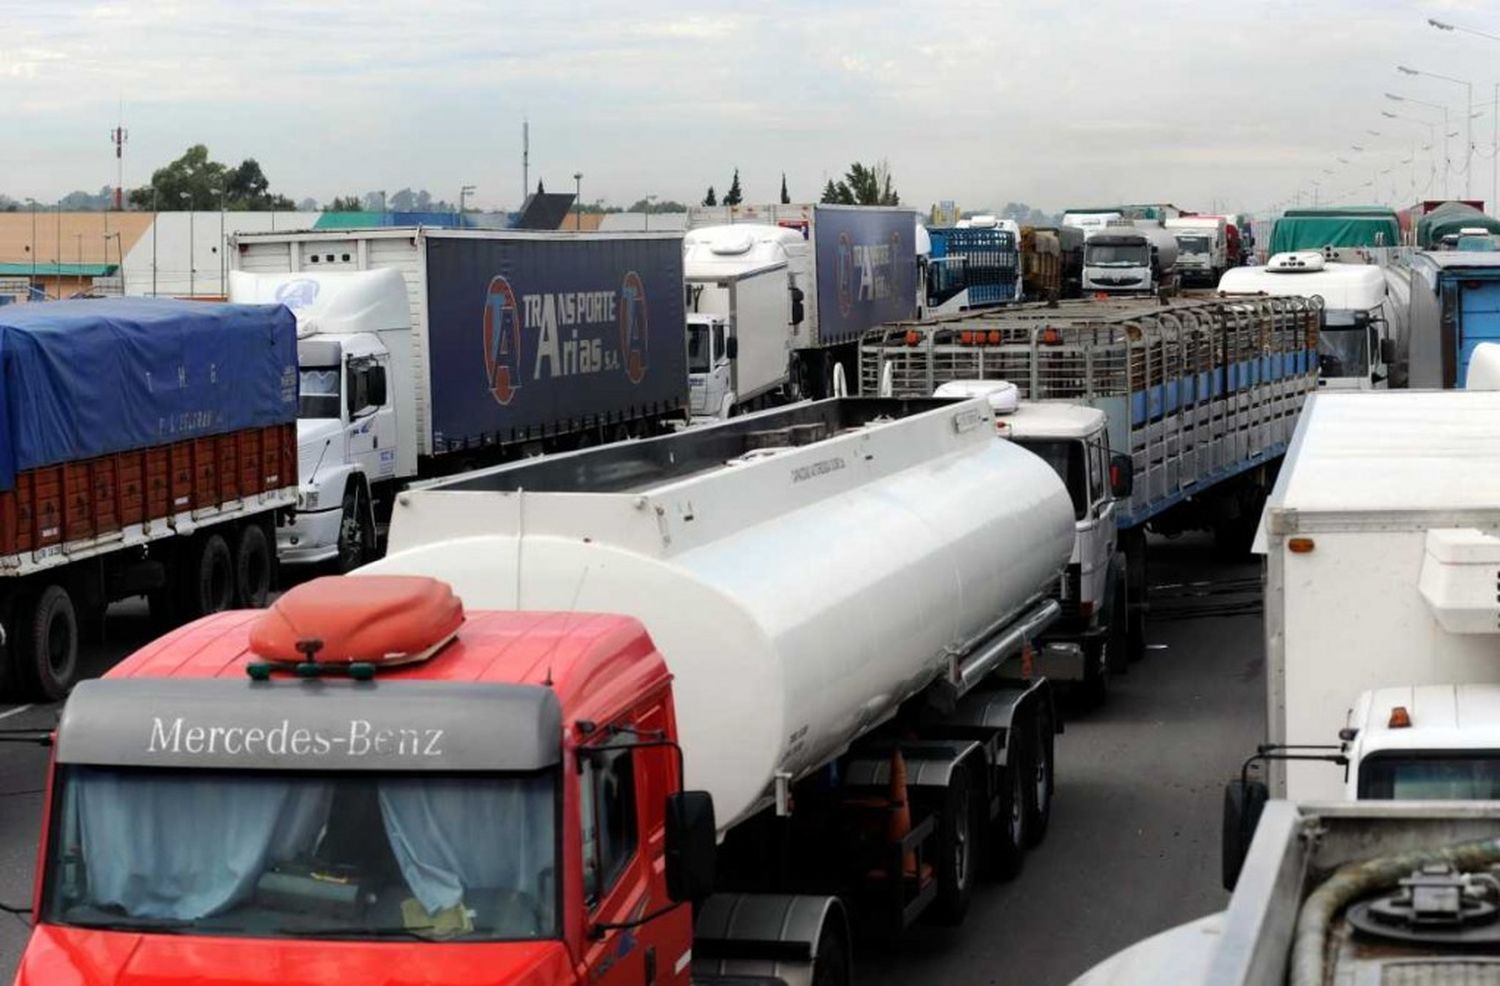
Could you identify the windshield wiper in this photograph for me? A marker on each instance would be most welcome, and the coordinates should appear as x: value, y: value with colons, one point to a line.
x: 145, y: 925
x: 345, y: 931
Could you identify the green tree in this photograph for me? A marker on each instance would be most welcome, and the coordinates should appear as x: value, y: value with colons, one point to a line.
x: 863, y: 185
x: 346, y: 203
x: 786, y: 198
x: 734, y: 196
x: 197, y: 182
x: 710, y: 198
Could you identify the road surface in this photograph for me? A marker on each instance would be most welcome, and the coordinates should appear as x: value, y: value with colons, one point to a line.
x: 1134, y: 842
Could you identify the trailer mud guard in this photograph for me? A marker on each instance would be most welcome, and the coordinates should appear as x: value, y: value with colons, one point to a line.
x: 770, y: 936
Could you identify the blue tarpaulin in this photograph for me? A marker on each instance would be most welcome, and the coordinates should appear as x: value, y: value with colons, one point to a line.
x: 91, y: 377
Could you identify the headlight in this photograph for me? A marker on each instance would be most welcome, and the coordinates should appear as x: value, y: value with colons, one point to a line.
x: 307, y: 499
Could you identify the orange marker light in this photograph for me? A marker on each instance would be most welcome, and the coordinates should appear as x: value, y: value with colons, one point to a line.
x: 1300, y: 546
x: 1400, y: 718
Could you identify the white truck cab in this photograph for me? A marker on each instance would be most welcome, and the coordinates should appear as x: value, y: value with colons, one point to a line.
x: 1073, y: 439
x: 1425, y: 743
x: 356, y: 428
x: 744, y: 309
x: 1363, y: 322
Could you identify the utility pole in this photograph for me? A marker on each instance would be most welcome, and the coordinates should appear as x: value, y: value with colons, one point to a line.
x: 525, y: 158
x: 577, y: 201
x: 155, y: 217
x: 31, y: 288
x: 118, y: 136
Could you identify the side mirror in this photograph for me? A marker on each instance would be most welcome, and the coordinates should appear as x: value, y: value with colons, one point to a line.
x: 1121, y: 475
x: 1243, y: 803
x: 732, y: 347
x: 692, y: 846
x: 377, y: 386
x: 798, y: 311
x: 1387, y: 351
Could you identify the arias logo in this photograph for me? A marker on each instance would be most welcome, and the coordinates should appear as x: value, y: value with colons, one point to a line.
x: 846, y: 274
x: 633, y: 326
x: 502, y: 341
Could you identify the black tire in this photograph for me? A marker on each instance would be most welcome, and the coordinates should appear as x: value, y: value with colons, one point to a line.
x: 1040, y: 778
x: 831, y: 966
x: 48, y: 649
x: 1117, y: 634
x: 208, y: 584
x: 356, y: 537
x: 253, y: 567
x: 1007, y: 832
x: 958, y: 829
x: 12, y: 682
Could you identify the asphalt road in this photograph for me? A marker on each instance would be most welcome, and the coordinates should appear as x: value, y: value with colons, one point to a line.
x: 1134, y: 841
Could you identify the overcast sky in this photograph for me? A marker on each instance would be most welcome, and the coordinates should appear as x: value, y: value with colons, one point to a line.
x: 1204, y: 103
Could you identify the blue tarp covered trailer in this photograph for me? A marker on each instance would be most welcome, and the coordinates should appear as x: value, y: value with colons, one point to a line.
x: 92, y: 377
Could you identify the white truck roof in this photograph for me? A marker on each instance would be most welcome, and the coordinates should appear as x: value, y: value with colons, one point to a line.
x: 739, y: 248
x: 1045, y: 419
x: 1349, y: 287
x: 1443, y: 717
x: 345, y: 302
x: 1387, y: 451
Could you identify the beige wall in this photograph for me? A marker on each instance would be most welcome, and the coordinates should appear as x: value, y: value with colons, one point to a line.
x: 85, y: 230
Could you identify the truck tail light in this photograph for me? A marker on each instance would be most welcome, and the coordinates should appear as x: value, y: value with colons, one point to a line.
x: 1300, y: 546
x: 1400, y: 718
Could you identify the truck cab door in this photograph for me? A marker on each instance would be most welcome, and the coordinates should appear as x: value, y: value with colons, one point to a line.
x: 636, y: 936
x: 372, y: 416
x: 1096, y: 547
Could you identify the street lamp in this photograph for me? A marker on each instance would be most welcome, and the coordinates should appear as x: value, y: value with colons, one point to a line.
x: 1469, y: 114
x: 650, y: 200
x: 577, y: 201
x: 1447, y: 160
x: 1495, y: 111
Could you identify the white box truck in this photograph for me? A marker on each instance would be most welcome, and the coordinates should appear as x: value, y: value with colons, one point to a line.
x: 1202, y: 248
x: 852, y: 267
x: 1382, y: 545
x: 740, y: 334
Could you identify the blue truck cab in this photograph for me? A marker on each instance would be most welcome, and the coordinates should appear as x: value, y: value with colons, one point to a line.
x: 1455, y: 306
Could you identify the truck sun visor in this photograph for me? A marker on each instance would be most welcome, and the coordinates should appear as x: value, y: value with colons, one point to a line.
x: 377, y: 619
x: 288, y: 724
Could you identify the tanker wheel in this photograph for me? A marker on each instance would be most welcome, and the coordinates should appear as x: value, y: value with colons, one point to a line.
x: 1007, y: 849
x: 831, y: 965
x: 11, y: 682
x: 957, y: 831
x: 47, y: 652
x: 1039, y: 774
x: 253, y: 564
x: 1116, y: 635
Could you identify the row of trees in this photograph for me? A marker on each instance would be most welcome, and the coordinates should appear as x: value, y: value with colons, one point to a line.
x: 736, y: 195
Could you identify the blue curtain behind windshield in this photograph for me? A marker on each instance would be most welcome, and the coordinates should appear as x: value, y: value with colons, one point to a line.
x: 456, y: 836
x: 205, y: 846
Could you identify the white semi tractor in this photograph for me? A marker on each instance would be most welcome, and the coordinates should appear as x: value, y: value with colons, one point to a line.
x: 833, y: 586
x: 1365, y: 339
x: 1202, y: 248
x: 1130, y: 257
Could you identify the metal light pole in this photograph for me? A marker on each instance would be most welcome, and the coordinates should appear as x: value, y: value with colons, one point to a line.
x: 78, y: 274
x: 223, y: 247
x: 577, y: 201
x: 31, y: 288
x: 1447, y: 161
x: 650, y: 201
x: 155, y: 218
x: 1495, y: 114
x: 1468, y: 119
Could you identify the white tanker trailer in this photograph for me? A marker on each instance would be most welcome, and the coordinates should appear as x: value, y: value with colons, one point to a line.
x: 1130, y: 257
x: 833, y: 587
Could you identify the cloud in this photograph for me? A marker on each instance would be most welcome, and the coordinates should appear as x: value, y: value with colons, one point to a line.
x: 982, y: 102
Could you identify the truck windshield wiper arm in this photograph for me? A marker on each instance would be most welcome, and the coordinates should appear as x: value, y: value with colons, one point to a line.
x: 348, y: 932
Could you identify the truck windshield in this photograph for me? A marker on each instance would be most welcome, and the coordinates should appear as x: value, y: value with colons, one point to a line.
x: 1342, y: 351
x: 1194, y: 244
x: 1432, y: 776
x: 699, y: 347
x: 1066, y: 459
x: 318, y: 392
x: 300, y: 854
x: 1116, y: 255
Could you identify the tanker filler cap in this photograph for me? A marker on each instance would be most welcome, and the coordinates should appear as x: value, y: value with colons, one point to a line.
x: 354, y: 625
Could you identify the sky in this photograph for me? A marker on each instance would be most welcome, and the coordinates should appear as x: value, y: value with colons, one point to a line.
x: 1208, y: 104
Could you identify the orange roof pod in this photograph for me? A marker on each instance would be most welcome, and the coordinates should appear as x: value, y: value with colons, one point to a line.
x: 371, y: 619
